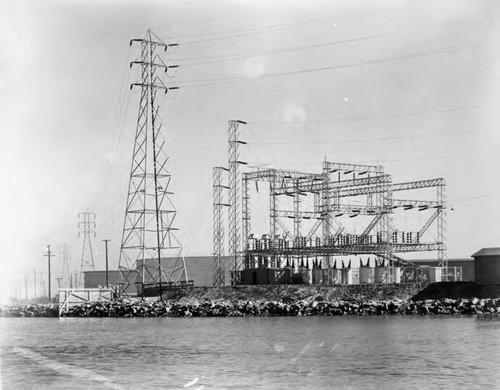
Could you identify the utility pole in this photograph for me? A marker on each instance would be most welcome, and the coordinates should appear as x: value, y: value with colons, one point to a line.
x: 48, y: 255
x: 34, y: 282
x: 25, y: 287
x: 106, y: 246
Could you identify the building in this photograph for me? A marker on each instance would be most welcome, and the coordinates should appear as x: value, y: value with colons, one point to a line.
x: 487, y: 266
x: 467, y: 264
x: 200, y: 270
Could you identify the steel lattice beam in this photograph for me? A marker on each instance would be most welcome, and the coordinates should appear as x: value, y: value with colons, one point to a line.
x: 218, y: 226
x: 235, y: 240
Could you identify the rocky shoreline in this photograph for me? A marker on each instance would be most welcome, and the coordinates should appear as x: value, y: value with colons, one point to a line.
x: 30, y: 310
x: 261, y: 308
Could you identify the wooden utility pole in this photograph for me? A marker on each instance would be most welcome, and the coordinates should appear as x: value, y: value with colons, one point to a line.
x: 25, y: 287
x: 48, y: 255
x: 106, y: 245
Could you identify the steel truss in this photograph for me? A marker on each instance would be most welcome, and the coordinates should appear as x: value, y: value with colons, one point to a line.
x: 218, y: 225
x: 235, y: 213
x: 343, y: 190
x: 151, y: 254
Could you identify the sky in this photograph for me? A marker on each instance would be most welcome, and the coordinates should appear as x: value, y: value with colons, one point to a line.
x: 413, y: 86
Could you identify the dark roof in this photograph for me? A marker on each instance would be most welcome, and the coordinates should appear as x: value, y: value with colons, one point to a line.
x: 487, y: 252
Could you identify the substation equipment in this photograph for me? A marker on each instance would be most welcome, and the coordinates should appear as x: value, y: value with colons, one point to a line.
x: 309, y: 218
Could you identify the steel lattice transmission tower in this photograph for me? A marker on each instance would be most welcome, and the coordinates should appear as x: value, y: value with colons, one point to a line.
x: 235, y: 241
x: 65, y: 251
x: 86, y: 226
x: 150, y: 254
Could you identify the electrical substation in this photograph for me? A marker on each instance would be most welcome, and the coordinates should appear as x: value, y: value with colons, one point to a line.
x: 316, y: 223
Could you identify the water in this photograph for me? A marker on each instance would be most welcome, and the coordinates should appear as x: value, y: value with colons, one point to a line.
x: 254, y: 353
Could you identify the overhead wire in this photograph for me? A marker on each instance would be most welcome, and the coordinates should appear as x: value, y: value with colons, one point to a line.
x: 362, y: 118
x: 254, y: 31
x: 408, y: 56
x: 121, y: 106
x: 251, y: 131
x: 475, y: 197
x: 217, y: 58
x: 364, y: 139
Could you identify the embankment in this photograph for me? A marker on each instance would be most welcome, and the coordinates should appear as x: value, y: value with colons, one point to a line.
x: 285, y: 300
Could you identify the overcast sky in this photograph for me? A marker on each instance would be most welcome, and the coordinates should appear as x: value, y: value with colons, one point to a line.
x: 412, y: 85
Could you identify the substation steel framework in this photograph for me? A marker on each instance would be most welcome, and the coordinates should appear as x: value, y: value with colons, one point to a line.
x: 234, y: 217
x: 332, y: 192
x: 218, y: 225
x: 150, y: 253
x: 234, y: 261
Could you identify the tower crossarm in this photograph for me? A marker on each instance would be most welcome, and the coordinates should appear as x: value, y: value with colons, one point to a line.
x: 281, y: 175
x: 302, y: 214
x: 348, y: 209
x: 413, y: 185
x: 420, y: 204
x: 318, y: 184
x: 374, y: 189
x: 349, y: 168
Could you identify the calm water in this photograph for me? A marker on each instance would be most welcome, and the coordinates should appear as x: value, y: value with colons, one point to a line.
x: 238, y: 353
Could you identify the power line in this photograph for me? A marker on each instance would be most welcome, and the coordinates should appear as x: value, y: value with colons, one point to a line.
x: 475, y: 197
x: 427, y: 53
x: 217, y: 58
x: 363, y: 118
x: 254, y: 31
x: 364, y: 139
